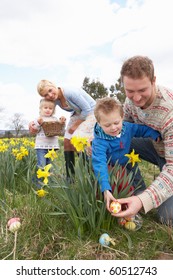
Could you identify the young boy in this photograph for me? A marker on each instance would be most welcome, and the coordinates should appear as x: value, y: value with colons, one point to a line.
x: 112, y: 139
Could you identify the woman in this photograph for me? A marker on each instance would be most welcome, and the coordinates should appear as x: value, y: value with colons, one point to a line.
x: 82, y: 120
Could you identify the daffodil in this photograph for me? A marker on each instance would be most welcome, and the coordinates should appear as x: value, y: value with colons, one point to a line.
x: 4, y: 148
x: 133, y: 158
x: 80, y: 143
x: 51, y: 154
x: 44, y: 173
x: 23, y: 151
x: 41, y: 193
x: 15, y: 152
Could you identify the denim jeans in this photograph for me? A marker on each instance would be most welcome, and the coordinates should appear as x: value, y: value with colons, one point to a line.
x: 146, y: 151
x: 41, y: 160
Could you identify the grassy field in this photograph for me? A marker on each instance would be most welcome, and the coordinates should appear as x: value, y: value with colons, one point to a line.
x: 66, y: 224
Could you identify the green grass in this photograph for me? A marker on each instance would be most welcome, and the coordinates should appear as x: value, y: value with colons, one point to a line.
x: 56, y: 237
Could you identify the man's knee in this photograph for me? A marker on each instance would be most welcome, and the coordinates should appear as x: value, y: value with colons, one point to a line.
x: 165, y: 212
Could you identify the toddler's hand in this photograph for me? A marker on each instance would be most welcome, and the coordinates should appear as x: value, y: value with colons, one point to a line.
x: 158, y: 139
x: 32, y: 129
x: 40, y: 121
x: 62, y: 120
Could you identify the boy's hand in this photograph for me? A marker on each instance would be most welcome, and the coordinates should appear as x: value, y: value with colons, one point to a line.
x: 40, y: 121
x: 158, y: 139
x: 32, y: 129
x: 62, y: 120
x: 108, y: 198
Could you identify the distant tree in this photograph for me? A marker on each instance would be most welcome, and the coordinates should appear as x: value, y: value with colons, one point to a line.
x: 96, y: 89
x: 17, y: 123
x: 8, y: 134
x: 112, y: 90
x: 118, y: 91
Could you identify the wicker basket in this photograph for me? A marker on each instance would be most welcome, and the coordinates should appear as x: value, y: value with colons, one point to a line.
x: 53, y: 128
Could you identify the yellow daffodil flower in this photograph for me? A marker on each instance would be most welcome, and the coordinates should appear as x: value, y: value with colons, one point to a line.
x: 24, y: 151
x: 133, y: 158
x: 4, y: 148
x: 80, y: 143
x: 51, y: 154
x: 15, y: 151
x: 41, y: 193
x: 44, y: 173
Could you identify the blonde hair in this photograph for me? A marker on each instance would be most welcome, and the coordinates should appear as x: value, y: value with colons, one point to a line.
x: 107, y: 105
x: 43, y: 102
x: 42, y: 84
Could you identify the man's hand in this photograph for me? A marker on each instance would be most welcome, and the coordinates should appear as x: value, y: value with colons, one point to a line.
x: 132, y: 206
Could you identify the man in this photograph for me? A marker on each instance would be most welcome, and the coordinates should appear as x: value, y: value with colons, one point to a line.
x: 152, y: 105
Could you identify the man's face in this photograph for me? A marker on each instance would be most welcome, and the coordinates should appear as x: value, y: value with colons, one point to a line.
x: 140, y: 91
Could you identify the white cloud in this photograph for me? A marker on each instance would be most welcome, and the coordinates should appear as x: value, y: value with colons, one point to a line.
x: 74, y: 39
x: 15, y: 99
x: 52, y: 35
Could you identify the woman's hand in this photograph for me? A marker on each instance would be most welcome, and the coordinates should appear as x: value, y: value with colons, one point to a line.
x: 131, y: 204
x: 75, y: 126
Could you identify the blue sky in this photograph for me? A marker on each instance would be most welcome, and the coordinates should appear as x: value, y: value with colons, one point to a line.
x: 67, y: 40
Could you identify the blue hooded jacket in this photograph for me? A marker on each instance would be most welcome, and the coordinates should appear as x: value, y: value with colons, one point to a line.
x: 113, y: 148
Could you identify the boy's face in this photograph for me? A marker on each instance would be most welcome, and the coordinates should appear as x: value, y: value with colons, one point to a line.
x: 111, y: 123
x: 47, y: 110
x: 140, y: 91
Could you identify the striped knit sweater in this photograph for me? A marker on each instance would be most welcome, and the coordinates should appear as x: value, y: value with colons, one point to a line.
x: 159, y: 116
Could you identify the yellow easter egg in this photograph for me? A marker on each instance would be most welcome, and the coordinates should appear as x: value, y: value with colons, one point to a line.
x: 115, y: 207
x: 130, y: 225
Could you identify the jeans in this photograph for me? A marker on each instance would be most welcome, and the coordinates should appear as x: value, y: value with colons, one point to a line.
x: 146, y: 151
x: 41, y: 160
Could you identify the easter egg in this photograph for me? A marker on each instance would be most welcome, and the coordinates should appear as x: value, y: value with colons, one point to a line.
x: 115, y: 207
x: 138, y: 221
x: 104, y: 239
x: 130, y: 225
x: 12, y: 220
x: 14, y: 226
